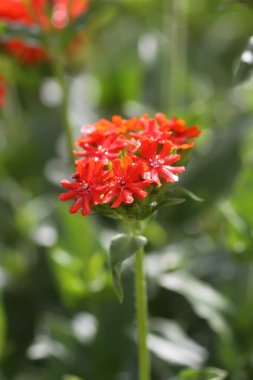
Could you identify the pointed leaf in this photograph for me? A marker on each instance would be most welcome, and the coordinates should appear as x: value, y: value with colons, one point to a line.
x: 203, y: 374
x: 122, y: 247
x: 172, y: 201
x: 71, y: 377
x: 190, y: 194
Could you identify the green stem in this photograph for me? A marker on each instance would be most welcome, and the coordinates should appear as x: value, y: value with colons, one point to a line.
x: 142, y: 316
x: 60, y: 75
x: 57, y: 65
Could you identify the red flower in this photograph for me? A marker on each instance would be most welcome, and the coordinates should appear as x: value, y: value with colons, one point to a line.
x: 101, y: 147
x: 31, y: 12
x: 160, y: 164
x: 179, y: 134
x: 137, y: 153
x: 116, y: 126
x: 45, y: 14
x: 88, y: 188
x: 126, y: 182
x: 26, y: 53
x: 65, y: 10
x: 2, y: 91
x: 20, y: 11
x: 152, y: 131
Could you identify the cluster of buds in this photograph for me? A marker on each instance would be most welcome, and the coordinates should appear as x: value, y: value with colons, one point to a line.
x: 125, y: 167
x: 35, y: 17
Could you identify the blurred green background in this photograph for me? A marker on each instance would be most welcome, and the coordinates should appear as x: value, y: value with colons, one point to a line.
x: 58, y: 312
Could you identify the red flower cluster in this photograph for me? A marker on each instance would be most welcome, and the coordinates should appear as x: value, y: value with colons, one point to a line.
x: 2, y: 91
x: 29, y: 54
x: 125, y: 160
x: 45, y: 14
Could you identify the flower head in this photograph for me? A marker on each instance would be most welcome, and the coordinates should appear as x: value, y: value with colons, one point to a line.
x: 127, y: 162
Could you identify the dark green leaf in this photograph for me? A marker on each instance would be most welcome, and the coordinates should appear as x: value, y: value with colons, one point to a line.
x: 243, y: 2
x: 122, y: 247
x: 203, y: 374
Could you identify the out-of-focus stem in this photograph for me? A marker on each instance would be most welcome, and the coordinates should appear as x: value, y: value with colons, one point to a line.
x: 60, y: 76
x: 175, y: 53
x: 56, y: 61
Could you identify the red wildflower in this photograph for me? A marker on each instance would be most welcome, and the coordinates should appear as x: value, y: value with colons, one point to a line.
x: 26, y: 53
x: 65, y: 10
x: 2, y: 91
x: 137, y: 153
x: 31, y: 12
x: 45, y: 14
x: 88, y: 186
x: 25, y: 12
x: 117, y: 126
x: 126, y: 182
x: 160, y: 164
x: 152, y: 131
x: 101, y: 147
x: 179, y: 134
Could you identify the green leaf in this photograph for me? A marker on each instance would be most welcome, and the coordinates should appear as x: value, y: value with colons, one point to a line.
x: 169, y: 343
x: 122, y: 247
x: 71, y: 377
x: 206, y: 301
x: 189, y: 193
x: 203, y: 374
x: 172, y: 201
x: 243, y: 2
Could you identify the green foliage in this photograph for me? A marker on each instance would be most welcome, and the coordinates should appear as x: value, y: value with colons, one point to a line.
x: 58, y: 313
x: 203, y: 374
x: 121, y: 248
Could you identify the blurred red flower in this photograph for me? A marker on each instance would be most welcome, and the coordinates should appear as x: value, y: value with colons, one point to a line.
x: 2, y: 91
x: 26, y: 53
x: 44, y: 14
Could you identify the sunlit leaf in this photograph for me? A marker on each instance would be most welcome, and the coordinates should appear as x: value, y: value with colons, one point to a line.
x: 169, y: 343
x: 203, y: 374
x: 71, y: 377
x: 206, y: 301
